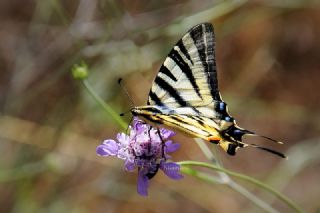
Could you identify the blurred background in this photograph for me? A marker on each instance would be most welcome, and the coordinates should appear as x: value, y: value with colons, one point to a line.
x: 268, y: 57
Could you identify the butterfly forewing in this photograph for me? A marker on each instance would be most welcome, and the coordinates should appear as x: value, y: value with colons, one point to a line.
x: 188, y: 75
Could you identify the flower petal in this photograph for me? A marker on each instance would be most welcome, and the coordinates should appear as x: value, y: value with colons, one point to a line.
x: 138, y: 125
x: 166, y: 133
x: 143, y: 183
x: 124, y: 154
x: 107, y: 148
x: 172, y: 170
x: 171, y: 147
x: 129, y: 165
x: 123, y: 139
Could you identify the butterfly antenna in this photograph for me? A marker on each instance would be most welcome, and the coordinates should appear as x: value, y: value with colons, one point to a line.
x: 126, y: 92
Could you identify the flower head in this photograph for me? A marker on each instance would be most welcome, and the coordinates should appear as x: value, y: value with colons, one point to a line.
x: 145, y: 148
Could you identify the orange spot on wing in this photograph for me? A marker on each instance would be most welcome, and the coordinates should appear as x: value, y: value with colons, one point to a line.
x: 214, y: 139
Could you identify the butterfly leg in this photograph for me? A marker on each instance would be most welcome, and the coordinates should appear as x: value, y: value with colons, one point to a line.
x: 152, y: 173
x: 162, y: 142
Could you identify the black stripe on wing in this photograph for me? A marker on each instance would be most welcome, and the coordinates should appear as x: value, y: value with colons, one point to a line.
x: 153, y: 97
x: 184, y: 50
x: 204, y: 41
x: 170, y: 90
x: 167, y: 72
x: 185, y: 68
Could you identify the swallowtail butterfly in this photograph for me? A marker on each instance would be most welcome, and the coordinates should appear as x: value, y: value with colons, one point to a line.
x: 185, y: 95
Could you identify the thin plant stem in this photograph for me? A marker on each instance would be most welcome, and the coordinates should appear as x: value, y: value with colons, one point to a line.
x: 233, y: 185
x: 201, y: 175
x: 206, y: 151
x: 251, y: 180
x: 225, y: 179
x: 115, y: 116
x: 253, y: 198
x: 210, y: 156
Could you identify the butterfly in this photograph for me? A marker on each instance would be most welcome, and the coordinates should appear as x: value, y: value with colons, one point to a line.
x: 185, y: 95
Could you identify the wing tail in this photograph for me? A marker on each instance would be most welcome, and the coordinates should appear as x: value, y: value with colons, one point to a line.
x: 272, y: 151
x: 262, y: 136
x: 237, y: 133
x: 231, y: 147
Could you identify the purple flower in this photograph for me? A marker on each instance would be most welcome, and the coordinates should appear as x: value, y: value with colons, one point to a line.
x: 145, y: 148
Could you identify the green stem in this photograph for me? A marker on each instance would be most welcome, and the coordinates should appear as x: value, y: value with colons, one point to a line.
x: 233, y: 185
x: 105, y: 106
x: 246, y: 178
x: 225, y: 179
x: 252, y: 197
x: 201, y: 175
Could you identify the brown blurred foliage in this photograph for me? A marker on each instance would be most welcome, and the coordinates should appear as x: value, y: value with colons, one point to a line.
x: 268, y: 67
